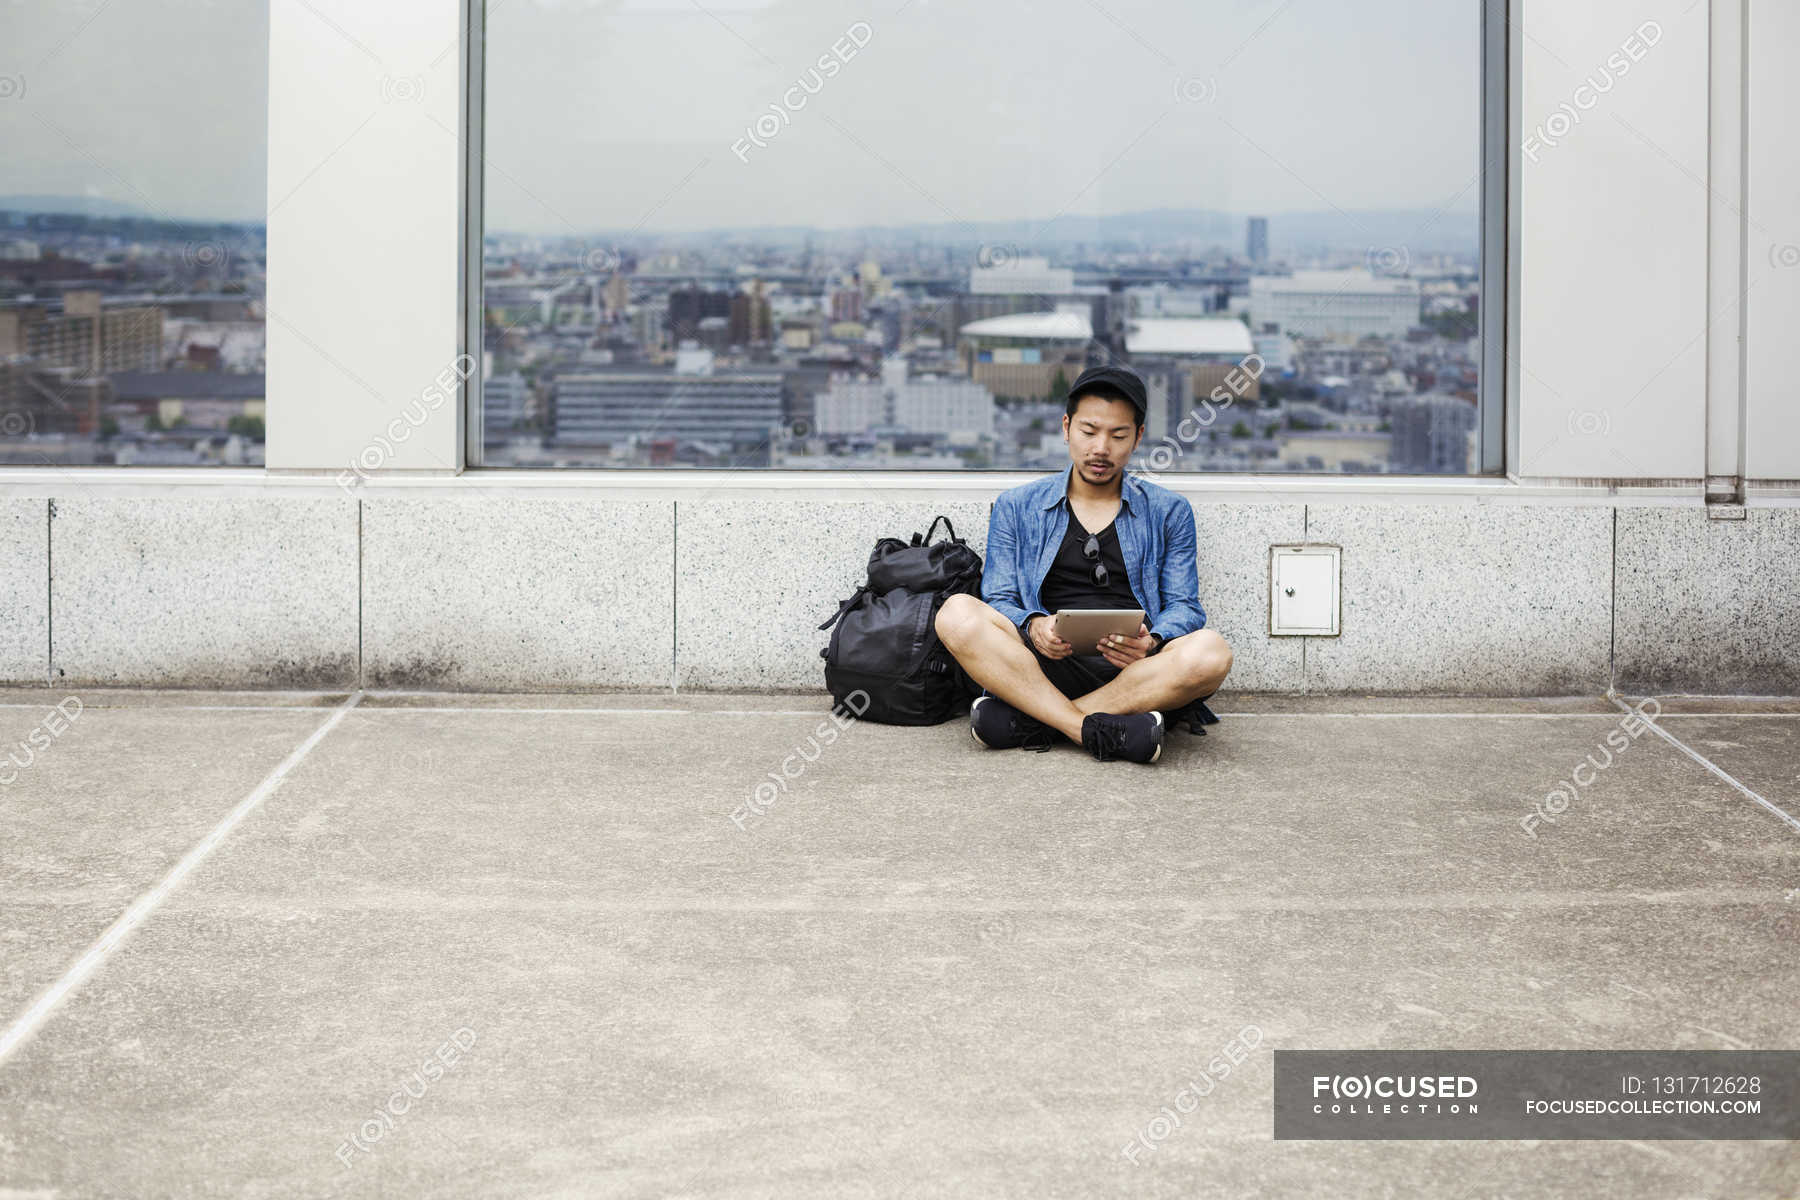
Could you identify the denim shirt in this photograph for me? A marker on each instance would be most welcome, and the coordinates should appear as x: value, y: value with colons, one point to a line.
x: 1156, y: 536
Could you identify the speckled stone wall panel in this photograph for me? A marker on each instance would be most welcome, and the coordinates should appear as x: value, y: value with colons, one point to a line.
x: 755, y: 580
x: 222, y: 592
x: 24, y: 596
x: 1232, y: 543
x: 1482, y: 599
x: 1708, y: 605
x: 508, y: 594
x: 785, y: 568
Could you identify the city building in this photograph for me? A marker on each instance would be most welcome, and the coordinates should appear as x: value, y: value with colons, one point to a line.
x: 1021, y: 276
x: 1020, y: 355
x: 625, y: 405
x: 957, y: 409
x: 1256, y: 240
x: 1163, y: 300
x: 1334, y: 450
x: 503, y: 407
x: 751, y: 321
x: 88, y: 333
x: 687, y: 307
x: 197, y: 399
x: 1432, y: 435
x: 1209, y: 351
x: 1336, y: 304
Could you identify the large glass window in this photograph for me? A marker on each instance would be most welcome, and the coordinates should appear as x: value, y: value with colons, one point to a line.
x: 767, y: 233
x: 132, y: 193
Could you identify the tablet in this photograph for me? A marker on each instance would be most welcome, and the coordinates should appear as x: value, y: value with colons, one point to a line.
x: 1083, y: 628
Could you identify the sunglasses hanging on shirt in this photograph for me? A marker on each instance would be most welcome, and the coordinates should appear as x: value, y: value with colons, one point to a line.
x: 1091, y: 552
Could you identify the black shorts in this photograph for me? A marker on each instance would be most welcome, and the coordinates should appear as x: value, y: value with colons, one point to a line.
x: 1076, y: 675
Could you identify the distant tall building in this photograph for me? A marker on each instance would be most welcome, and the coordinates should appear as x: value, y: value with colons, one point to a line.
x: 502, y: 407
x: 615, y: 296
x: 1432, y: 435
x: 750, y: 319
x: 689, y: 306
x: 1257, y: 240
x: 845, y: 304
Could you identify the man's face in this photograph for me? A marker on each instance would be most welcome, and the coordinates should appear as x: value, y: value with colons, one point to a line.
x: 1102, y: 434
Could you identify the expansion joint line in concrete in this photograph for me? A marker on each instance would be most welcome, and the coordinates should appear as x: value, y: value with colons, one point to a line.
x: 28, y: 1023
x: 1781, y: 814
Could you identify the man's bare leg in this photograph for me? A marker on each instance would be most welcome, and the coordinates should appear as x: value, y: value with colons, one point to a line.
x: 989, y: 648
x: 1190, y: 667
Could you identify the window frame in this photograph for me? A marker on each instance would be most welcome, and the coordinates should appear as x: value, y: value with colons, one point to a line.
x: 1498, y: 264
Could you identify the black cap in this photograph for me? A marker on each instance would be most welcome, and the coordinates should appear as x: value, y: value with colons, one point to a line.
x: 1120, y: 381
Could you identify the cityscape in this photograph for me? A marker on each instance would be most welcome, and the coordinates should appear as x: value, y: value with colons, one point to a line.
x: 131, y: 341
x: 859, y: 266
x: 128, y: 341
x: 936, y: 356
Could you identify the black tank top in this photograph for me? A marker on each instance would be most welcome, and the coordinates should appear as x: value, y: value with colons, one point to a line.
x: 1070, y: 581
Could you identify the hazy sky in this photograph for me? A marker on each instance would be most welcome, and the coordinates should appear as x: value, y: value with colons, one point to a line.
x: 612, y: 113
x: 159, y: 104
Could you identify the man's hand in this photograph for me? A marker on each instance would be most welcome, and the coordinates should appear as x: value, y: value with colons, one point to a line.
x: 1123, y: 651
x: 1043, y: 635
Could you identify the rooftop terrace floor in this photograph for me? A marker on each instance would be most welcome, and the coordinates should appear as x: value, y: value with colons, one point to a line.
x: 234, y: 926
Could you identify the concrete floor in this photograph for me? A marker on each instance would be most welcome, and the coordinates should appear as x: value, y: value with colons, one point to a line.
x: 926, y: 970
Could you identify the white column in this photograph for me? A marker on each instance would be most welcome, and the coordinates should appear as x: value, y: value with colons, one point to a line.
x: 366, y: 183
x: 1613, y: 321
x: 1772, y: 246
x: 1725, y: 243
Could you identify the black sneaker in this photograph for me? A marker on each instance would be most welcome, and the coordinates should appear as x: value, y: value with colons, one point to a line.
x: 1134, y: 737
x: 999, y: 726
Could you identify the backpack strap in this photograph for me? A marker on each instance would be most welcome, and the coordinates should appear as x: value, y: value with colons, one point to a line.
x: 1197, y: 716
x: 846, y: 606
x: 948, y: 529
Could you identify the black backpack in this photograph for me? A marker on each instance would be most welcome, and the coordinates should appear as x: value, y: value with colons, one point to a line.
x: 885, y: 662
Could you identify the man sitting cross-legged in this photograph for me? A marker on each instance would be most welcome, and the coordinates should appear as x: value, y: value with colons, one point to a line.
x: 1095, y: 536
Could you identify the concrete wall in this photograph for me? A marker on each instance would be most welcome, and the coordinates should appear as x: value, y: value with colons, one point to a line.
x: 567, y: 592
